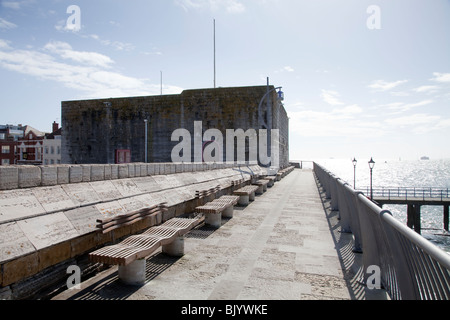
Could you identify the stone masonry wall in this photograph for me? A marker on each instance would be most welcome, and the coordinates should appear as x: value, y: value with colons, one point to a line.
x: 44, y: 228
x: 94, y: 129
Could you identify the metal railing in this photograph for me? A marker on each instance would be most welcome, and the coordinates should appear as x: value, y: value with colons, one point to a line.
x: 408, y: 193
x: 411, y: 267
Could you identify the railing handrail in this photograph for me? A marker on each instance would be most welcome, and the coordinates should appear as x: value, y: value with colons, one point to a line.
x: 408, y: 192
x: 411, y: 266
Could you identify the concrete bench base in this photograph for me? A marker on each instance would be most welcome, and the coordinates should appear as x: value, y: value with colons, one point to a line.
x: 133, y: 273
x: 228, y: 213
x: 175, y: 248
x: 244, y: 200
x: 260, y: 190
x: 213, y: 219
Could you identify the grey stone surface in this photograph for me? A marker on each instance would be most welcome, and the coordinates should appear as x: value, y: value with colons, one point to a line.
x: 82, y: 193
x: 9, y: 177
x: 63, y: 174
x: 17, y: 204
x: 47, y: 230
x: 97, y: 172
x: 29, y: 176
x: 14, y: 242
x: 105, y: 190
x: 75, y: 174
x: 282, y: 246
x: 84, y: 219
x: 49, y: 175
x: 53, y: 198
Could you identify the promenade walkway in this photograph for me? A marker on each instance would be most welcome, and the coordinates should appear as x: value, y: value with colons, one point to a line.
x: 285, y: 245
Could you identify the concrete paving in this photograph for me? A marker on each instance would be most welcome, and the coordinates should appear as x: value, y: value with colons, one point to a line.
x: 285, y: 245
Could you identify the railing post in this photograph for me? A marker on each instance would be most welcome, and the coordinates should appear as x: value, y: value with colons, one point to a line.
x: 446, y: 217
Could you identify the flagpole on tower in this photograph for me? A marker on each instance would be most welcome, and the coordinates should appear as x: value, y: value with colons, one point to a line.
x: 214, y: 23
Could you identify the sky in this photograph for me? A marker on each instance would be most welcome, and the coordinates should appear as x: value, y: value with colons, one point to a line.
x: 361, y: 78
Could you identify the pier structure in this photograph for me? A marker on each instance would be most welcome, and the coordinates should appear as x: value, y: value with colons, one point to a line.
x: 309, y: 236
x: 414, y: 198
x: 412, y: 268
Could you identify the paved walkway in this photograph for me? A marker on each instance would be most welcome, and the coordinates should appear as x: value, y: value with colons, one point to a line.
x: 285, y: 245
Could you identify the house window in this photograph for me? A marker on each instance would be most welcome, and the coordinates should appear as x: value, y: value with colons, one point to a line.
x: 5, y: 162
x: 46, y: 150
x: 52, y: 150
x: 5, y: 149
x: 58, y: 150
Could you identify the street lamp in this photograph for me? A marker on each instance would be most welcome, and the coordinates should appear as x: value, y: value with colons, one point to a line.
x: 371, y: 165
x: 262, y: 119
x: 354, y: 161
x: 146, y: 136
x: 280, y: 95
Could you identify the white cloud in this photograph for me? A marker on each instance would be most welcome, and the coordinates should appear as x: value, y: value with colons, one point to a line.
x: 331, y: 97
x: 65, y: 50
x: 419, y: 123
x: 285, y: 69
x: 118, y: 45
x: 426, y: 89
x: 348, y: 111
x: 310, y: 123
x: 441, y: 77
x: 235, y: 7
x: 4, y: 44
x: 11, y: 5
x: 6, y: 24
x: 88, y: 72
x: 403, y: 107
x: 381, y: 85
x: 230, y: 6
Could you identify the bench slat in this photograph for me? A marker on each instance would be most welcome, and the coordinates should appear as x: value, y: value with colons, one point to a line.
x: 142, y: 245
x: 109, y: 224
x: 246, y: 190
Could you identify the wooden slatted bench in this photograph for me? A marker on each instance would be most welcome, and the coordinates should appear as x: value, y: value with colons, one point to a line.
x: 284, y: 172
x: 112, y: 223
x: 246, y: 194
x: 262, y: 186
x: 214, y: 210
x: 206, y: 195
x: 130, y: 253
x: 271, y: 180
x: 279, y: 176
x: 207, y: 192
x: 237, y: 182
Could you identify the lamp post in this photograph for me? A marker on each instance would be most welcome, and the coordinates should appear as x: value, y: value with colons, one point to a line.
x: 146, y: 136
x: 371, y: 165
x: 354, y: 161
x: 268, y: 125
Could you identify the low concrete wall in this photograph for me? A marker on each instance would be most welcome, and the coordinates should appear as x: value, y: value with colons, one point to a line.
x: 24, y: 176
x: 51, y: 223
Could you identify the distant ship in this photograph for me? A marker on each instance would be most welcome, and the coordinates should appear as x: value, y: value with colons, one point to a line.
x: 425, y: 158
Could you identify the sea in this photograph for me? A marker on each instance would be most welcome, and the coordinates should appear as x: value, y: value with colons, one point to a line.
x: 400, y: 173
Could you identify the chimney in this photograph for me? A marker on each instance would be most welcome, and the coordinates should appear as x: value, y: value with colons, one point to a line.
x: 55, y: 126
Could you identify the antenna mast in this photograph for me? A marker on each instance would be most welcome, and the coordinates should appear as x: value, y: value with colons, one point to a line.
x: 214, y: 53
